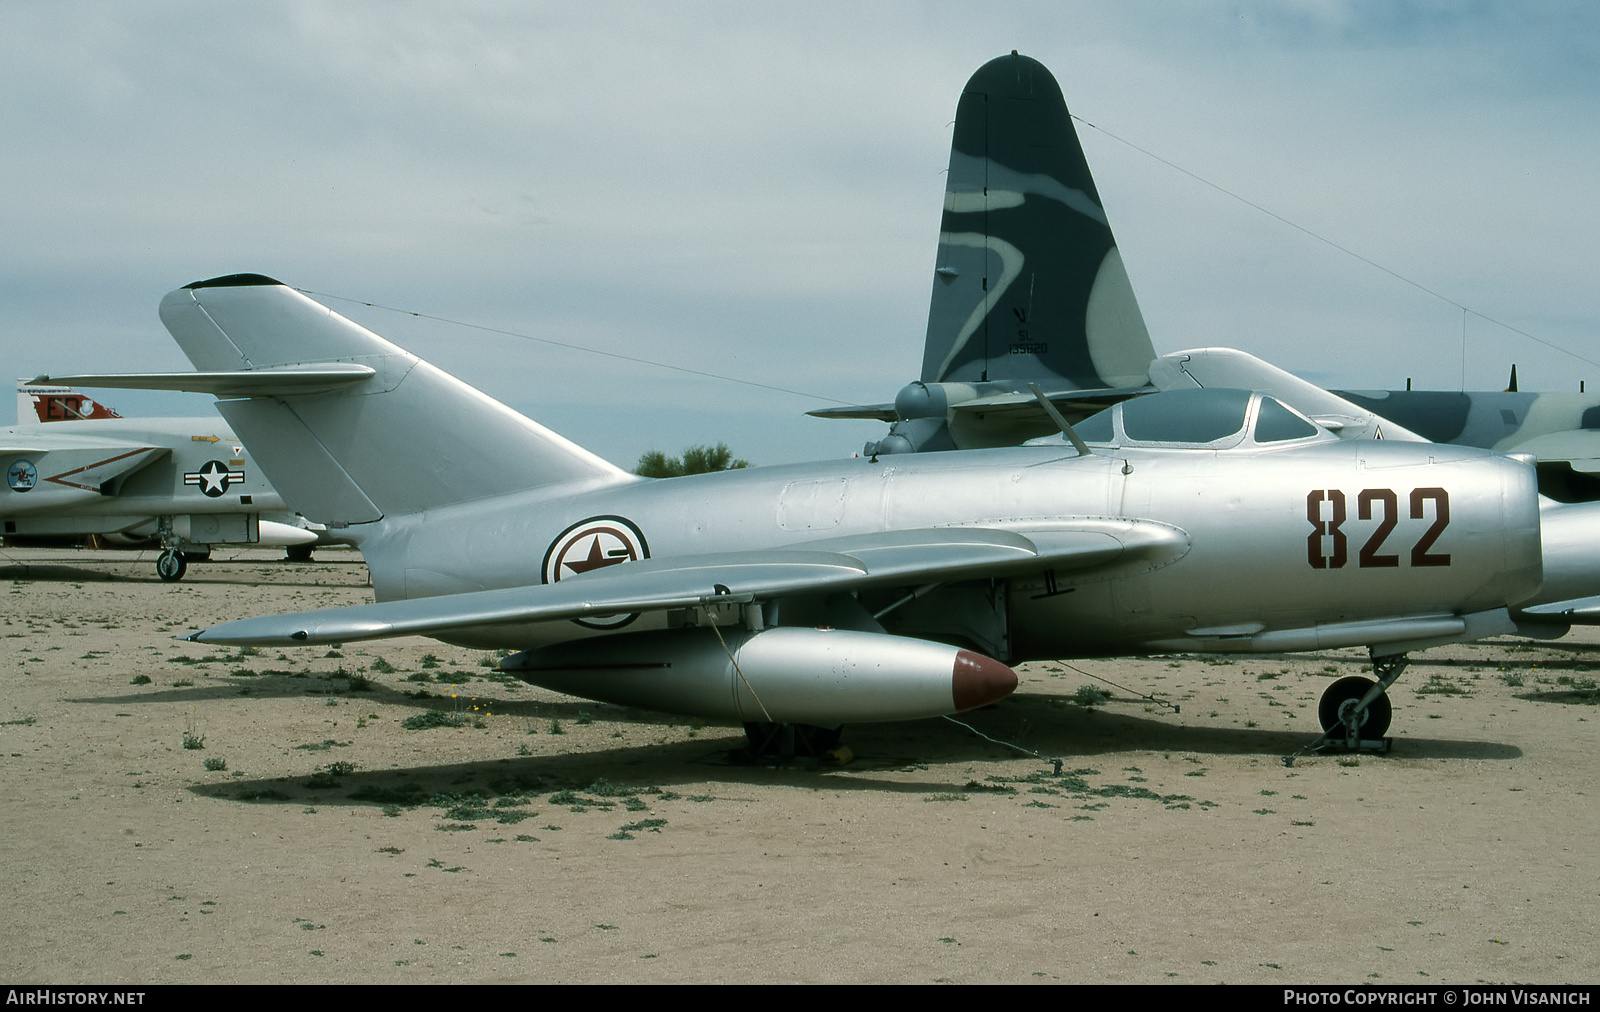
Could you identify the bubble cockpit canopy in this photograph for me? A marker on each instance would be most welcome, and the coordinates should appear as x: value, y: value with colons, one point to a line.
x: 1213, y: 418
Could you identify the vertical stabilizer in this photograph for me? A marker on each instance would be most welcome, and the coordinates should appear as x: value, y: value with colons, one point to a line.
x: 1028, y: 284
x: 405, y: 439
x: 56, y: 404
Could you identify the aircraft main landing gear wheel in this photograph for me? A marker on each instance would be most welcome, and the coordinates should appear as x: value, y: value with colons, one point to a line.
x: 297, y: 553
x: 1341, y: 697
x: 787, y: 741
x: 171, y: 566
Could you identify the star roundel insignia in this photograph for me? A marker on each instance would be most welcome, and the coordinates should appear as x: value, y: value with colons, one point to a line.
x: 591, y: 544
x: 213, y: 478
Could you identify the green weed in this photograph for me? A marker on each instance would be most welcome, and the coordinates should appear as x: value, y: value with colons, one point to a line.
x: 1090, y: 696
x: 431, y: 718
x: 192, y: 739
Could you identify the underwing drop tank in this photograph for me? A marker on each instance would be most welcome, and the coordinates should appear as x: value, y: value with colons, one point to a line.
x: 780, y: 675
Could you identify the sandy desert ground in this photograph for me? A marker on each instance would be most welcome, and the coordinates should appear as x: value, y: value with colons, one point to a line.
x: 526, y: 837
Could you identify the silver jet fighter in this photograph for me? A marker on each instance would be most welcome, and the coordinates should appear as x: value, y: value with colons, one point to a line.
x: 1029, y: 287
x: 851, y: 590
x: 74, y: 468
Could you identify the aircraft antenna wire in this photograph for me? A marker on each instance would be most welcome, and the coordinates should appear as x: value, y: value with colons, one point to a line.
x: 1135, y: 693
x: 1057, y: 763
x: 574, y: 347
x: 1342, y: 249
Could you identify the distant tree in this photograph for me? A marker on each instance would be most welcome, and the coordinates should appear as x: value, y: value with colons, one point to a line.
x: 695, y: 460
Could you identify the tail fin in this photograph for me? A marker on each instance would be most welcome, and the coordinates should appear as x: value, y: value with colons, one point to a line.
x: 56, y: 404
x: 406, y: 438
x: 1029, y: 284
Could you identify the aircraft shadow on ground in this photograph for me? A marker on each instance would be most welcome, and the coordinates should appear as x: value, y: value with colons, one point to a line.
x: 641, y: 770
x: 449, y: 699
x: 49, y: 573
x: 718, y: 759
x: 1570, y: 696
x: 927, y: 746
x: 52, y: 573
x: 1521, y: 666
x: 1028, y: 725
x: 1043, y: 724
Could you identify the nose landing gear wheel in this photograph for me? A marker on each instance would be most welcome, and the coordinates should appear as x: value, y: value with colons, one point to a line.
x: 1341, y: 725
x: 171, y: 565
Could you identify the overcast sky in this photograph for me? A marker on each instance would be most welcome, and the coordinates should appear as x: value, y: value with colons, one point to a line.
x: 754, y: 189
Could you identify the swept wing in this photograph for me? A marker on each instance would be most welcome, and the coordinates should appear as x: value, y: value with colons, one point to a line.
x: 910, y: 558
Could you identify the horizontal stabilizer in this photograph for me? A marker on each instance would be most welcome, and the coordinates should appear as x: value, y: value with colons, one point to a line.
x: 998, y: 399
x: 869, y: 412
x: 1073, y: 403
x: 1578, y: 447
x: 283, y: 381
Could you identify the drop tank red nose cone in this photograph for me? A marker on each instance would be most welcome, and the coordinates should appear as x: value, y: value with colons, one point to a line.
x: 978, y: 681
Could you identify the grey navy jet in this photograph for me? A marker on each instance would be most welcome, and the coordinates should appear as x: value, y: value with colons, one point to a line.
x: 1029, y: 288
x: 853, y: 590
x: 74, y: 468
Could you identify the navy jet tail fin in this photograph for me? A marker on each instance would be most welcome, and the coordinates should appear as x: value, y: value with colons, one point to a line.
x: 1028, y: 284
x: 37, y: 405
x: 348, y: 427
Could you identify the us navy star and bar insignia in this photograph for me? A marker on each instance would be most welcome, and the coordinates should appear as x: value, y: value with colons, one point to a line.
x: 214, y: 478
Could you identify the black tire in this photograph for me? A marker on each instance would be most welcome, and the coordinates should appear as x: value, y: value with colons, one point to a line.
x: 786, y: 741
x: 171, y: 566
x: 298, y: 553
x: 1347, y: 692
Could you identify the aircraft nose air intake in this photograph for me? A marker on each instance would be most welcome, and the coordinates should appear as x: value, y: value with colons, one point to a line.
x: 977, y: 681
